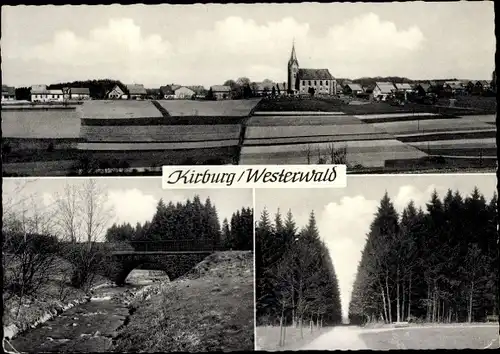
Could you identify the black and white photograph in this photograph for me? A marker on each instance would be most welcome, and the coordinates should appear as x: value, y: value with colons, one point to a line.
x: 390, y: 262
x: 123, y: 90
x: 121, y: 265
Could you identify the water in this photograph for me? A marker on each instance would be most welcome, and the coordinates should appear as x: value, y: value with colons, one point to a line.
x: 89, y: 327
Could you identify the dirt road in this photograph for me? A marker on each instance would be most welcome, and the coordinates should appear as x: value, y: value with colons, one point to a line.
x: 474, y: 336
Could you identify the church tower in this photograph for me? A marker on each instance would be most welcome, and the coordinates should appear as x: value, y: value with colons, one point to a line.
x: 293, y: 70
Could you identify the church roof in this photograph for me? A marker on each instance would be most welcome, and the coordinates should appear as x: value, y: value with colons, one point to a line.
x: 315, y: 74
x: 293, y: 56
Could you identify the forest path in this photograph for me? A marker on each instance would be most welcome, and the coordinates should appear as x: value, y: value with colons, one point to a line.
x: 339, y: 338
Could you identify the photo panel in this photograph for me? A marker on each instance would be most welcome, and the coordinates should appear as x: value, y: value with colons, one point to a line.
x: 381, y: 88
x: 120, y: 264
x: 390, y: 262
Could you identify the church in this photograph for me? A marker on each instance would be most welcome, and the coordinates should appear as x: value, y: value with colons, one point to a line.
x: 300, y: 80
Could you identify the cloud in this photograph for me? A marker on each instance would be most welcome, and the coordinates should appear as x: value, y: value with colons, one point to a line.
x: 344, y: 226
x: 132, y: 205
x: 232, y: 48
x: 419, y: 196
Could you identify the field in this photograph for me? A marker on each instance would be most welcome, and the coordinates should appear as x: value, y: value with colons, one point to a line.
x: 56, y: 124
x: 146, y: 134
x: 368, y: 153
x: 226, y: 108
x: 376, y: 135
x: 210, y: 309
x: 119, y: 109
x: 160, y: 133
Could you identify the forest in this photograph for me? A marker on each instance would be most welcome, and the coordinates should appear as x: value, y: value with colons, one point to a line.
x: 296, y: 283
x: 191, y: 220
x: 437, y: 264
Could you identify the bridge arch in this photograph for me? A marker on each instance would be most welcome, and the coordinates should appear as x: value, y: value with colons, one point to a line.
x: 173, y: 264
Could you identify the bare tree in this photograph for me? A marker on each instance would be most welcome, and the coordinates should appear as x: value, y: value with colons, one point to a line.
x: 83, y: 217
x: 337, y: 156
x: 29, y: 250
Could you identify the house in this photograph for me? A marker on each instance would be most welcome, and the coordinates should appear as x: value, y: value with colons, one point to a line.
x: 76, y: 93
x: 183, y: 93
x: 221, y: 92
x: 40, y: 93
x: 486, y: 84
x: 80, y: 93
x: 8, y: 93
x: 116, y: 93
x: 475, y: 87
x: 167, y: 92
x: 423, y: 89
x: 383, y: 89
x: 352, y: 89
x: 300, y: 81
x: 403, y: 87
x: 136, y: 92
x: 263, y: 88
x: 453, y: 88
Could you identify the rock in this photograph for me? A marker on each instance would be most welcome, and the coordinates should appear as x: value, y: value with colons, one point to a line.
x: 75, y: 324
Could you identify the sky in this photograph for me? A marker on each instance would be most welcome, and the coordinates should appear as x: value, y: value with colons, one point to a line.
x: 344, y: 215
x: 208, y: 44
x: 129, y: 199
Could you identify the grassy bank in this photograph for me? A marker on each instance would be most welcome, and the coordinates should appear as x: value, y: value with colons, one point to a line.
x: 268, y: 337
x: 209, y: 309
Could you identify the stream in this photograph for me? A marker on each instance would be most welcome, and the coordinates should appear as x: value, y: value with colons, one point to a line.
x: 89, y: 327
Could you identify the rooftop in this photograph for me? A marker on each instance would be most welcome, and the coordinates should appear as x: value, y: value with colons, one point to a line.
x: 315, y: 74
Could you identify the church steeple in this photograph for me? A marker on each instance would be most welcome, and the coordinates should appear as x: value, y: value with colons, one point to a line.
x: 293, y: 56
x: 293, y: 69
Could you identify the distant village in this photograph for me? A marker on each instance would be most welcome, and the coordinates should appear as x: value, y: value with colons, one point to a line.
x: 300, y: 82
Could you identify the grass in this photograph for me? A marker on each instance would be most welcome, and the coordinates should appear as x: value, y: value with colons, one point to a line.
x: 268, y: 337
x: 209, y: 309
x: 440, y: 337
x: 285, y: 104
x: 164, y: 133
x: 50, y: 298
x: 307, y: 120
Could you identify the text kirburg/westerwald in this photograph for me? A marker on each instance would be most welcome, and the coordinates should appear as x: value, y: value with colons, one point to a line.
x: 290, y: 176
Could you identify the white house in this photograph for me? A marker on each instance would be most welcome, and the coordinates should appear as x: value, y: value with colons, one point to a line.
x: 383, y: 89
x: 8, y: 93
x: 183, y: 93
x: 40, y: 93
x: 116, y: 93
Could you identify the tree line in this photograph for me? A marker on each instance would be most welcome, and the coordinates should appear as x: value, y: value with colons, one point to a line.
x: 191, y: 220
x: 98, y: 88
x: 434, y: 265
x: 296, y: 280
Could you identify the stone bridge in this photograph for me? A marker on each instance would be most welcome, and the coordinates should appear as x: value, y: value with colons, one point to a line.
x: 175, y: 258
